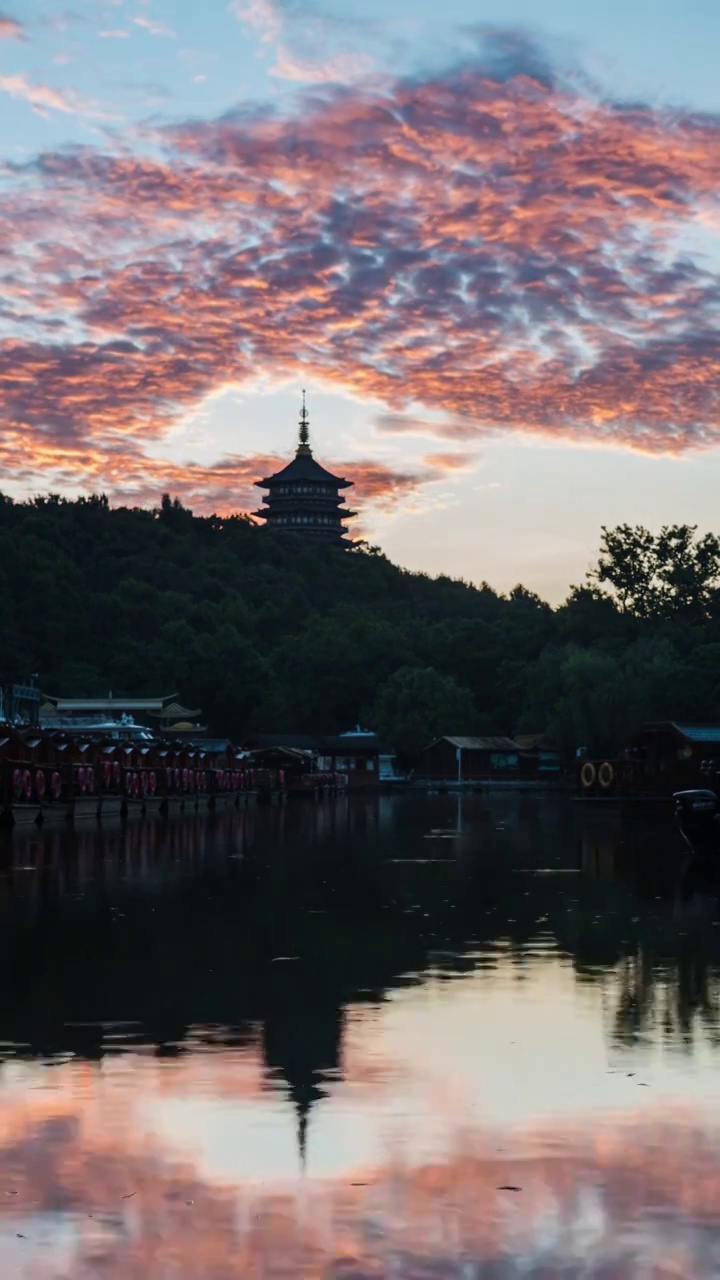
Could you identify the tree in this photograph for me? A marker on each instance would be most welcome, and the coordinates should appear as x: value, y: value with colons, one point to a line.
x: 417, y: 705
x: 595, y: 697
x: 270, y: 631
x: 687, y: 570
x: 663, y: 575
x: 628, y: 564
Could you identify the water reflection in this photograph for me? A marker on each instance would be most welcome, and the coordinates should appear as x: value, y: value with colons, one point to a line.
x: 429, y: 997
x: 86, y: 1193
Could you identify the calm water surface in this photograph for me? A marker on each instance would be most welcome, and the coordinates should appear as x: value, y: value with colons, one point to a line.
x: 406, y: 1036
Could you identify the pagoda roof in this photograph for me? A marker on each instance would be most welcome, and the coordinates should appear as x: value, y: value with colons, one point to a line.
x: 109, y: 704
x: 304, y: 467
x: 175, y: 711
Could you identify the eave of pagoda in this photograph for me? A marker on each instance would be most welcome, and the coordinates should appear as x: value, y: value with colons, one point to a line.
x: 332, y: 482
x: 304, y: 504
x: 267, y: 513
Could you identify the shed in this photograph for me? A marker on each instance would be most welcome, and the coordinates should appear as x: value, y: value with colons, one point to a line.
x: 470, y: 759
x: 539, y: 755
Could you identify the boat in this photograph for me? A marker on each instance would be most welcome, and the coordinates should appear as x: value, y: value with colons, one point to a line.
x: 697, y: 814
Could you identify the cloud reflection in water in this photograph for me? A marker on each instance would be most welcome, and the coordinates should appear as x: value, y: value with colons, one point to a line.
x: 596, y: 1199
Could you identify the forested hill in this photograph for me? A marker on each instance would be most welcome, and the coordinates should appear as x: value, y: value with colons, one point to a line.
x: 265, y: 631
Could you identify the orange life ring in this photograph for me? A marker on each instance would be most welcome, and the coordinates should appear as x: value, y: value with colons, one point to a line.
x: 588, y: 774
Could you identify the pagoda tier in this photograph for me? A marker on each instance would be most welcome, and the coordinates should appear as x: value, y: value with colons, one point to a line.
x: 305, y: 498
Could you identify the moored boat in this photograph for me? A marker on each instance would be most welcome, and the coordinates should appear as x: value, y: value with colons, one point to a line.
x: 697, y: 814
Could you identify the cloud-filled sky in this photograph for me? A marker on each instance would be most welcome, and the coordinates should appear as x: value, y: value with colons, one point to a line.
x: 486, y: 241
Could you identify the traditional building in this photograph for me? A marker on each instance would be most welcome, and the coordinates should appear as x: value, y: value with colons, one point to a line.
x: 304, y: 497
x: 126, y: 718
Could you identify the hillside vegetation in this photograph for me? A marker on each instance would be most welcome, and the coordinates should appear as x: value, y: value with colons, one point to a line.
x: 266, y: 632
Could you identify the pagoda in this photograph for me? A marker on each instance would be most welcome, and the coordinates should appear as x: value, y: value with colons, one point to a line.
x: 305, y: 498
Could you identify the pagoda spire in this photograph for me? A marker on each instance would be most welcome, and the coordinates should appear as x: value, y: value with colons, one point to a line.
x: 304, y: 433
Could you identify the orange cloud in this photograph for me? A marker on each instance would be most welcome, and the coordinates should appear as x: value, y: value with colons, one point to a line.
x: 40, y: 96
x: 10, y: 28
x: 451, y: 461
x: 43, y: 98
x: 482, y: 250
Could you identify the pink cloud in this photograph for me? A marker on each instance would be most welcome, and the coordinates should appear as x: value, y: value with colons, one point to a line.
x: 478, y: 252
x: 41, y: 97
x: 268, y: 20
x: 263, y: 16
x: 341, y: 69
x: 10, y: 28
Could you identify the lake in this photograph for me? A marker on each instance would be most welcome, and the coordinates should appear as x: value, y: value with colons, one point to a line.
x: 399, y: 1036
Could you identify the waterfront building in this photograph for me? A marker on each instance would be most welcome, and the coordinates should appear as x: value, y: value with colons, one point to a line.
x: 20, y: 704
x: 470, y: 759
x: 359, y: 754
x: 303, y: 497
x: 122, y: 718
x: 661, y: 757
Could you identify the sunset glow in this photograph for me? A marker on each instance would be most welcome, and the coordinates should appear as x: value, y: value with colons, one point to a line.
x: 493, y: 248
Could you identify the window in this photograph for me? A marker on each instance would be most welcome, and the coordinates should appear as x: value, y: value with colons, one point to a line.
x: 503, y: 761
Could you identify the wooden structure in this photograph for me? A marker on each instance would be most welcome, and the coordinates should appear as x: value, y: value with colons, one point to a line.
x: 660, y: 758
x: 47, y: 776
x: 354, y: 756
x: 539, y: 757
x: 470, y: 759
x: 305, y: 498
x: 25, y: 765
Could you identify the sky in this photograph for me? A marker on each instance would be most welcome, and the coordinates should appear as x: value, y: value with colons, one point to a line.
x: 484, y: 236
